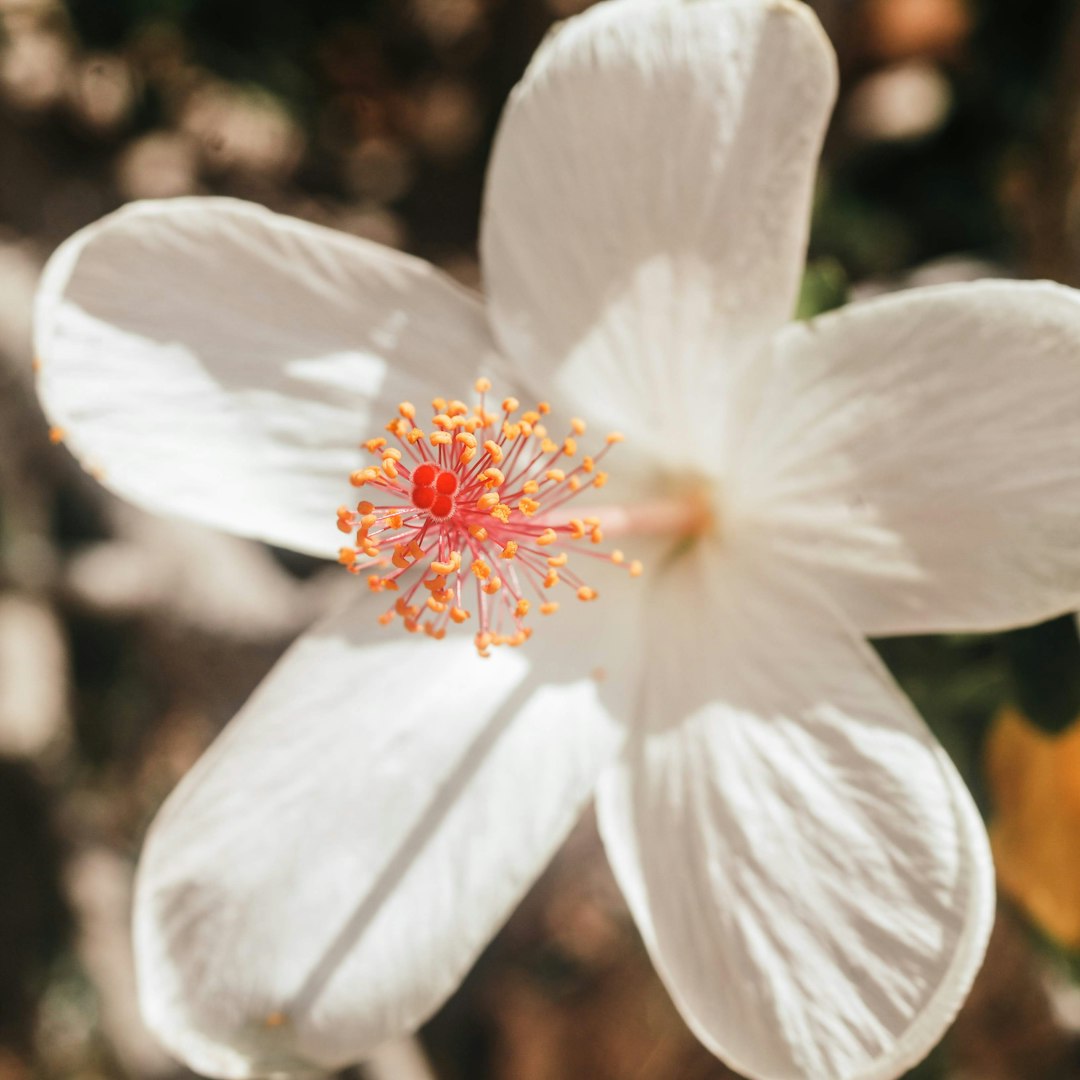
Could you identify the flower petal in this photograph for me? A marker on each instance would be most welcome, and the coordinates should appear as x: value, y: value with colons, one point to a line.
x: 325, y: 875
x: 807, y: 869
x: 215, y: 361
x: 648, y: 199
x: 920, y: 455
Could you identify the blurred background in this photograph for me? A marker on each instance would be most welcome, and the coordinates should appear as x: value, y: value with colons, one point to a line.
x: 126, y: 643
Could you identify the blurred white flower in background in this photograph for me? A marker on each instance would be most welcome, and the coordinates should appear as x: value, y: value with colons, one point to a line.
x: 804, y: 864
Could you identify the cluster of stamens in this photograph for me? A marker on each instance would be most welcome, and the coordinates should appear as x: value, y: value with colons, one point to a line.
x: 478, y: 510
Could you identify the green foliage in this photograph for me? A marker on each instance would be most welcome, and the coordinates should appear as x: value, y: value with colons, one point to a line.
x: 1044, y: 662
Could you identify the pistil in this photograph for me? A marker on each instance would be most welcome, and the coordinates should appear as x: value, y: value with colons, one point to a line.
x: 477, y: 522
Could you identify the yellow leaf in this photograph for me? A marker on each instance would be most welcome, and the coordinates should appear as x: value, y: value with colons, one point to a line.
x: 1035, y: 833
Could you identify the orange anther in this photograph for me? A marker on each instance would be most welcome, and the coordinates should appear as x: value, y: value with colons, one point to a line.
x: 559, y: 560
x: 585, y: 593
x: 569, y: 447
x: 509, y: 549
x: 522, y: 608
x: 363, y: 507
x: 577, y: 528
x: 510, y: 404
x: 415, y: 436
x: 552, y: 579
x: 577, y: 426
x: 346, y: 556
x: 56, y: 435
x: 492, y: 478
x: 487, y: 501
x: 480, y: 569
x: 502, y: 512
x: 407, y: 410
x: 492, y: 586
x: 452, y: 564
x: 636, y: 568
x: 482, y: 385
x: 459, y: 615
x: 478, y: 532
x: 373, y: 445
x: 600, y: 479
x: 360, y: 477
x: 441, y: 438
x: 528, y: 506
x: 614, y: 437
x: 549, y: 608
x: 548, y: 536
x: 530, y: 487
x: 557, y: 475
x: 466, y: 439
x: 494, y: 451
x: 617, y: 557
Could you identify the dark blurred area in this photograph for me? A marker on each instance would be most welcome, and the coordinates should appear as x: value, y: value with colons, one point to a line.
x: 127, y: 642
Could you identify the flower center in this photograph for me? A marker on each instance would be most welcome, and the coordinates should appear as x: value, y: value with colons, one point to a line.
x: 476, y: 518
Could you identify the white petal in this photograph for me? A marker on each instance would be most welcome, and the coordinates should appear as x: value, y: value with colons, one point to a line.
x: 807, y: 869
x: 920, y: 455
x: 218, y: 362
x: 326, y: 874
x: 648, y: 199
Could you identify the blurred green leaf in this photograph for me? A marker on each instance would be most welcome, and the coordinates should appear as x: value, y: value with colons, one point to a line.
x: 824, y: 287
x: 1044, y: 662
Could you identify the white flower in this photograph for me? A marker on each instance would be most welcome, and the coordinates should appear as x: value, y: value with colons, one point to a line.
x: 806, y: 868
